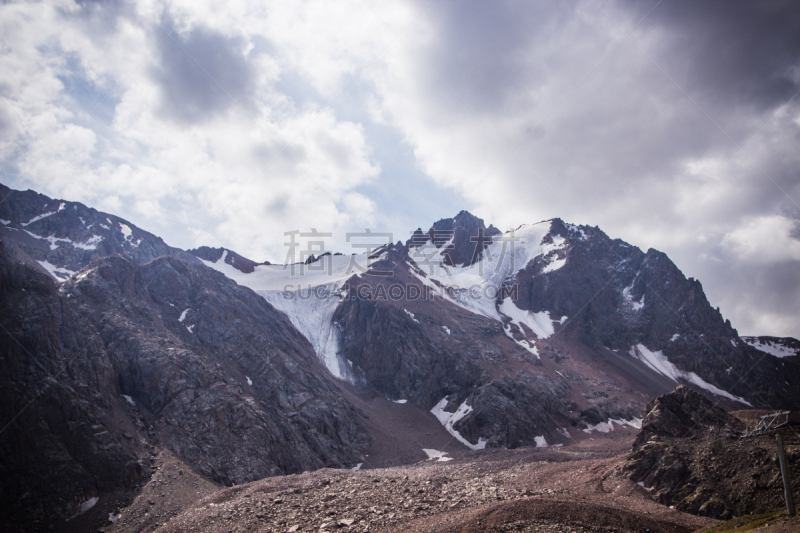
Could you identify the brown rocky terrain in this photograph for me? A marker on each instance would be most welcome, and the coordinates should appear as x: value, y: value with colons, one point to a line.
x: 690, y: 455
x: 553, y: 489
x: 590, y: 486
x: 125, y: 359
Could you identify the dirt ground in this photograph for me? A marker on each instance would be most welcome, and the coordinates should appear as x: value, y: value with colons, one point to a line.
x: 580, y: 488
x: 560, y: 490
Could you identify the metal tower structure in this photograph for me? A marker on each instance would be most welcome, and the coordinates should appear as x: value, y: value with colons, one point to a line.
x: 772, y: 425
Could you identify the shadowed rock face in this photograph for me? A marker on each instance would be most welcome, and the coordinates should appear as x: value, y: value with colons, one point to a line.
x: 466, y: 234
x: 216, y: 375
x: 289, y: 420
x: 400, y: 356
x: 690, y: 454
x: 617, y: 297
x: 57, y: 390
x: 684, y: 413
x: 427, y: 351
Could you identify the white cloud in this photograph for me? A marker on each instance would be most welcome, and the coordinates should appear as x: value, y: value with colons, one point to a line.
x: 173, y: 178
x: 518, y: 112
x: 765, y: 239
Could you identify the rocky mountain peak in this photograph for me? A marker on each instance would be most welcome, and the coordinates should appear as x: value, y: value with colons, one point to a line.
x: 229, y: 257
x: 60, y: 237
x: 465, y: 236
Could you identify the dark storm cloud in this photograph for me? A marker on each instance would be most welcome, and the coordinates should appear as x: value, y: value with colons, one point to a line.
x: 750, y: 297
x: 499, y: 57
x: 673, y: 123
x: 727, y: 52
x: 739, y: 51
x: 479, y: 46
x: 630, y: 116
x: 201, y: 74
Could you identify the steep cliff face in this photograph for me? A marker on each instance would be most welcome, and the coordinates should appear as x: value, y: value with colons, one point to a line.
x: 621, y: 299
x: 240, y: 392
x: 59, y: 390
x: 123, y: 357
x: 462, y: 238
x: 483, y: 346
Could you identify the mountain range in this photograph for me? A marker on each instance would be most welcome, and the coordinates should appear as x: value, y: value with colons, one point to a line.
x: 464, y: 337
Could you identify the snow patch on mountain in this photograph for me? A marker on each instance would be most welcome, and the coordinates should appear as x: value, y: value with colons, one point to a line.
x: 126, y: 230
x: 59, y: 273
x: 32, y: 234
x: 476, y: 287
x: 44, y: 215
x: 576, y: 229
x: 658, y: 362
x: 605, y: 427
x: 55, y: 242
x: 436, y: 455
x: 554, y: 265
x: 449, y: 419
x: 88, y: 504
x: 90, y: 244
x: 774, y: 348
x: 628, y: 300
x: 524, y: 343
x: 307, y: 294
x: 539, y: 323
x: 409, y: 313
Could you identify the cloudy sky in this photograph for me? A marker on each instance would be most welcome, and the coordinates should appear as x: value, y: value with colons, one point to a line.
x: 672, y: 124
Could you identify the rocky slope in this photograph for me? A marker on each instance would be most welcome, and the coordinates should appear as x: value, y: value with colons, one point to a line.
x: 690, y: 455
x: 59, y: 394
x: 123, y: 357
x: 493, y: 490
